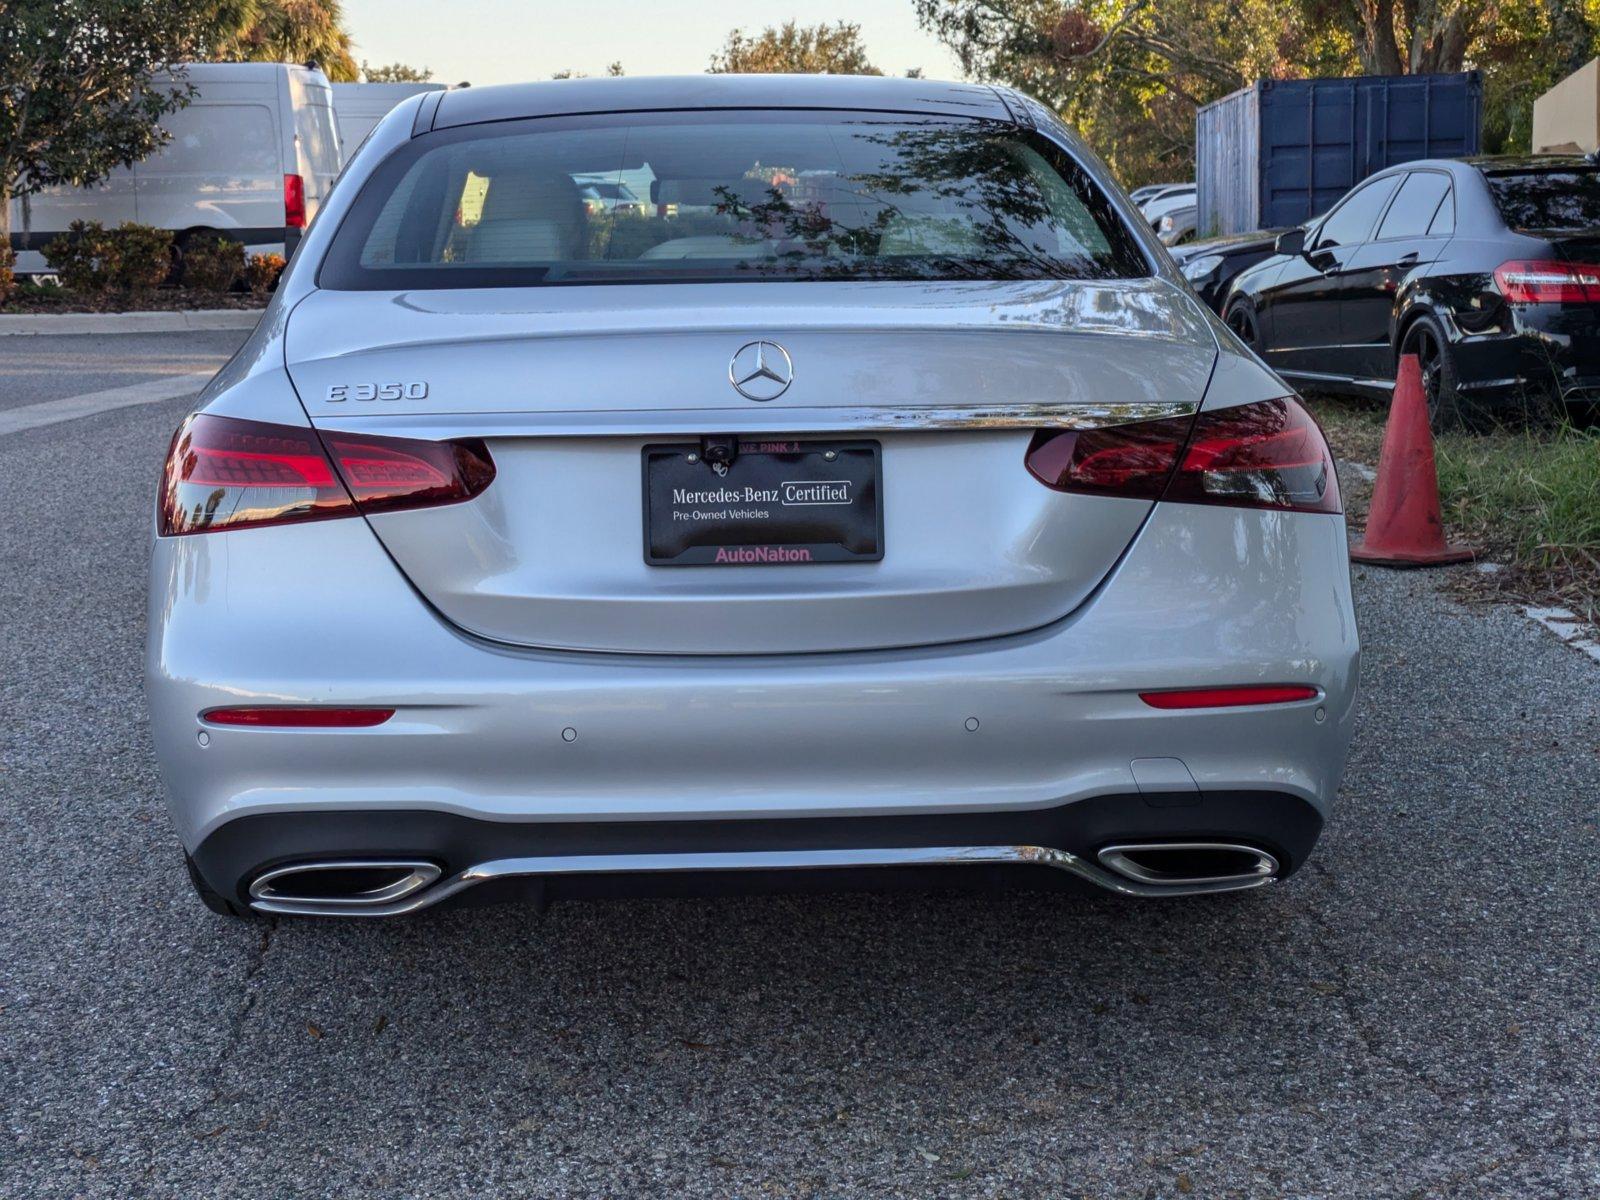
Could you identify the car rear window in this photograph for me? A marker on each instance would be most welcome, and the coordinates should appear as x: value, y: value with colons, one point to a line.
x: 1566, y: 201
x: 647, y: 198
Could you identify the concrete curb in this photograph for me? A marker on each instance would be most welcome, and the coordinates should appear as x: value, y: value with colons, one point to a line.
x: 132, y: 322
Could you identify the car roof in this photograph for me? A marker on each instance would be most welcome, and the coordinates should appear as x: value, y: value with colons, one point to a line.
x: 1497, y: 164
x: 570, y: 97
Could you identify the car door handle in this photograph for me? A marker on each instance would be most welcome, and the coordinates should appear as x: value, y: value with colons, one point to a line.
x: 1409, y: 259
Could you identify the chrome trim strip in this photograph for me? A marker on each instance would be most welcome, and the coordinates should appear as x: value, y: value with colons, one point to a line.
x: 267, y: 898
x: 758, y: 860
x: 1116, y: 858
x: 749, y: 419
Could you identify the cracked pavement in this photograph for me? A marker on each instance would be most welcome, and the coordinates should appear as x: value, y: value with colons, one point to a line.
x: 1415, y: 1015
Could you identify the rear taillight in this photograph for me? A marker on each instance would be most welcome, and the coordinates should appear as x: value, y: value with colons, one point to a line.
x: 1546, y: 281
x: 1270, y: 454
x: 227, y: 473
x: 294, y: 201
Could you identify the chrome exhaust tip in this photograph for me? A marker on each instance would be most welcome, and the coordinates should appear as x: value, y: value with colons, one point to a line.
x: 1190, y: 864
x: 339, y: 886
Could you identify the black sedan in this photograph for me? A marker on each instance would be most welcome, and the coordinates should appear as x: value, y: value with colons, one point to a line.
x: 1483, y: 268
x: 1211, y: 266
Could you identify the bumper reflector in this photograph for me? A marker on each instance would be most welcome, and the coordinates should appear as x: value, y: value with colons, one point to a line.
x: 1229, y: 697
x: 299, y: 718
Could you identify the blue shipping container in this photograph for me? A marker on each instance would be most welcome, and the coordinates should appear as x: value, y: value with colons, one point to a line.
x: 1282, y: 151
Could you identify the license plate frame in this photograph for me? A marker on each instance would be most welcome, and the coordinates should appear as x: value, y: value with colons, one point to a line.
x: 783, y: 502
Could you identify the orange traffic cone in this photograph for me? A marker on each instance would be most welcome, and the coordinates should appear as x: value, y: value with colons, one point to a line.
x: 1403, y: 526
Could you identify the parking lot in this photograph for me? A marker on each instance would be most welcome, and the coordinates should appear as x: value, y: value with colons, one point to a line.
x: 1414, y: 1015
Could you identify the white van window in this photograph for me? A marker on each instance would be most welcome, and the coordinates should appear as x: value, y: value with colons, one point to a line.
x: 217, y: 139
x: 319, y: 143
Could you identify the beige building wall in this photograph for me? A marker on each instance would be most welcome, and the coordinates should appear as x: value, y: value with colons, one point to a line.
x: 1567, y: 117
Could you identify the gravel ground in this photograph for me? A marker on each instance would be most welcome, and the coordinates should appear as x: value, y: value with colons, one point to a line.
x: 1415, y: 1014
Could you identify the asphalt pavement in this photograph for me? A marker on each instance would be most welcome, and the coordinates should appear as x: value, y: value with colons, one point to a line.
x: 1414, y: 1015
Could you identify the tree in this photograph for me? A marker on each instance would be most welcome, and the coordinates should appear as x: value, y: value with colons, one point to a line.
x: 395, y: 72
x: 793, y: 49
x: 614, y: 70
x: 77, y: 97
x: 1130, y: 74
x: 283, y: 31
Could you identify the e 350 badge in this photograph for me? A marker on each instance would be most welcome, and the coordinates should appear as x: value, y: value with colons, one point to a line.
x: 340, y: 392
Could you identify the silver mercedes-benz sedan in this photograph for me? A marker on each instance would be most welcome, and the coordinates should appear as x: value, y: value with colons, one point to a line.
x: 871, y: 503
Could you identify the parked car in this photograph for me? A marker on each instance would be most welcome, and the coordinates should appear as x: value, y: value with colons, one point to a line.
x: 1176, y: 226
x: 904, y: 510
x: 1481, y: 267
x: 1211, y: 265
x: 358, y: 107
x: 1149, y: 191
x: 1177, y: 196
x: 250, y: 158
x: 605, y: 195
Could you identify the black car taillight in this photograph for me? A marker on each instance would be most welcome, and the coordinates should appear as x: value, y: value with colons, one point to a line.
x: 1270, y: 454
x: 228, y: 473
x: 1547, y: 281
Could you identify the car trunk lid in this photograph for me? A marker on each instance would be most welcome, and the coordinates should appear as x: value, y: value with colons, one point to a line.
x: 567, y: 386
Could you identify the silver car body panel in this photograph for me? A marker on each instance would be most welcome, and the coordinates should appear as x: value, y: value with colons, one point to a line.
x: 1002, y: 679
x: 984, y: 364
x: 1206, y: 597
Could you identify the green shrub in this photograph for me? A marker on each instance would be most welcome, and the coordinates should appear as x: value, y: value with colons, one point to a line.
x: 85, y: 257
x: 143, y: 256
x: 7, y: 277
x: 91, y: 258
x: 212, y: 264
x: 262, y: 271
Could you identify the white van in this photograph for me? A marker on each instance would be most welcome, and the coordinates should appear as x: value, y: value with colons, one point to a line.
x: 250, y: 158
x: 360, y: 106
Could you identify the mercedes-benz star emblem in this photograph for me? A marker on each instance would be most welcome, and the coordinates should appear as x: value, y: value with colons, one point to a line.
x: 761, y: 371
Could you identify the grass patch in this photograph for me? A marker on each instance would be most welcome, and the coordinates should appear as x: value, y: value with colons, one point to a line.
x: 1528, y: 499
x: 1533, y: 502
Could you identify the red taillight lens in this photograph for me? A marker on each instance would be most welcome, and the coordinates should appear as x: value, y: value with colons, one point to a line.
x: 1265, y: 455
x: 227, y: 473
x: 1229, y: 697
x: 224, y: 473
x: 1545, y: 281
x: 386, y: 473
x: 294, y: 202
x: 288, y: 717
x: 1121, y: 460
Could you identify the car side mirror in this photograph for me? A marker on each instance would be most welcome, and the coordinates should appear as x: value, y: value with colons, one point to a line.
x: 1290, y: 241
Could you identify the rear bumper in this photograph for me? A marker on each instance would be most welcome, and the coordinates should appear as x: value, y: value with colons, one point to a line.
x: 529, y: 748
x: 1547, y: 351
x: 485, y: 860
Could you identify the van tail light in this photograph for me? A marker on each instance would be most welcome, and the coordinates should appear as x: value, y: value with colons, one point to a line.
x: 1270, y: 454
x: 294, y: 201
x: 227, y: 473
x: 1546, y: 281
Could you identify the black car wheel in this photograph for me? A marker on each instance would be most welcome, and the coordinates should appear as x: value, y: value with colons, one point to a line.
x: 1440, y: 382
x: 1242, y: 320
